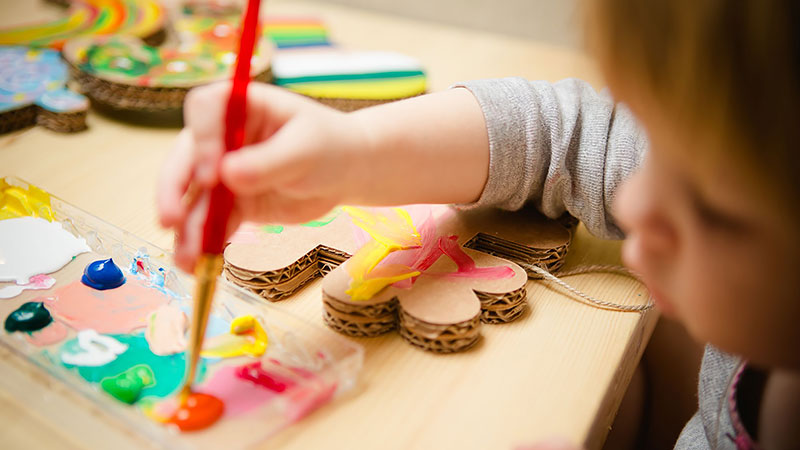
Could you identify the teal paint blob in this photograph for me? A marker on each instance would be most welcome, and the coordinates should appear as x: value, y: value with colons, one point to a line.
x: 31, y: 316
x: 168, y: 371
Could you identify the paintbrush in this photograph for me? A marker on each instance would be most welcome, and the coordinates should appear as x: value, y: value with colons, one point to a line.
x: 209, y: 266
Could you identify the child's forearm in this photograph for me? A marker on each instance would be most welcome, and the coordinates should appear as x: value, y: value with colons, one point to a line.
x: 430, y: 149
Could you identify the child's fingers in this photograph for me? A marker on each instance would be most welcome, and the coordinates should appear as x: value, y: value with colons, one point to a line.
x: 257, y: 168
x: 204, y: 112
x: 173, y: 180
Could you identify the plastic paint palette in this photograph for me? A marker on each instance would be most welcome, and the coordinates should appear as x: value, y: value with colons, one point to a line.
x: 34, y: 376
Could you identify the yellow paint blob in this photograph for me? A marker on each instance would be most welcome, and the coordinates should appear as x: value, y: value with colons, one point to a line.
x: 18, y: 202
x: 247, y: 337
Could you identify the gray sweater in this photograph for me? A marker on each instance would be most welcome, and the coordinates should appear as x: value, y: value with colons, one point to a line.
x: 564, y: 147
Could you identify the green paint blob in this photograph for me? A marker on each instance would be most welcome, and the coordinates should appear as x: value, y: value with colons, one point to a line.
x: 167, y: 371
x: 31, y: 316
x: 274, y: 229
x: 127, y: 386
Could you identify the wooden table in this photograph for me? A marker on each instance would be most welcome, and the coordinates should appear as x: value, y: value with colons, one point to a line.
x: 561, y: 369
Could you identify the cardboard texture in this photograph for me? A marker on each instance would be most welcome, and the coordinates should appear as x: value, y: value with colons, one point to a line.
x: 33, y: 91
x: 439, y: 313
x: 280, y: 263
x: 125, y: 73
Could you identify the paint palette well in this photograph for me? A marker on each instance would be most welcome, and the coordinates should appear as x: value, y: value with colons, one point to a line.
x: 86, y: 396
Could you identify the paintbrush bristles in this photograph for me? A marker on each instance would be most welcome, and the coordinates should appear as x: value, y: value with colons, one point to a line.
x: 208, y: 268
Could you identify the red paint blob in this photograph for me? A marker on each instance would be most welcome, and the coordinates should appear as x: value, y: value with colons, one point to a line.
x: 257, y: 374
x: 200, y: 411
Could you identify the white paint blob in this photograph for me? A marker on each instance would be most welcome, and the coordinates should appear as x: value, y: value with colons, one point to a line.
x: 96, y: 350
x: 31, y: 246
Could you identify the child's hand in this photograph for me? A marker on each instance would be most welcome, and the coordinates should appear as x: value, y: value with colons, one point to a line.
x: 294, y: 167
x: 301, y: 159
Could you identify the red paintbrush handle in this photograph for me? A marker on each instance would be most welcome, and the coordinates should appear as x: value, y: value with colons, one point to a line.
x: 221, y: 201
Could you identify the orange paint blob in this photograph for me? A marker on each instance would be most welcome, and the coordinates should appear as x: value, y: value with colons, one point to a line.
x: 199, y: 412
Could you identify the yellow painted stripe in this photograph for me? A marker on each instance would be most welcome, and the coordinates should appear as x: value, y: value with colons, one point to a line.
x: 23, y: 35
x: 360, y: 89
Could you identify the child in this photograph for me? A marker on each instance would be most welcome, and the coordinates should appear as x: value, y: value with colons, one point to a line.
x: 705, y: 193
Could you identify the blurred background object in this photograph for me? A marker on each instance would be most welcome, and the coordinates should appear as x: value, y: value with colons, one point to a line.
x: 552, y: 21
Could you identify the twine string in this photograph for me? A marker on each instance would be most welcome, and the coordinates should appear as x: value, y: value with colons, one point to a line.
x: 586, y: 297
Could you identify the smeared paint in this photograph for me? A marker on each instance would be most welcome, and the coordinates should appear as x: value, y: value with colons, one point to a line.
x: 216, y: 324
x: 250, y: 386
x: 200, y: 411
x: 127, y: 386
x: 103, y: 274
x: 168, y: 371
x: 119, y: 310
x: 390, y: 233
x: 90, y: 349
x: 240, y: 395
x: 256, y: 373
x: 386, y: 261
x: 30, y: 246
x: 324, y: 220
x: 49, y: 335
x: 18, y: 202
x: 417, y: 259
x: 248, y: 233
x: 466, y: 265
x: 36, y: 282
x: 246, y: 337
x: 31, y: 316
x: 272, y: 229
x: 166, y: 328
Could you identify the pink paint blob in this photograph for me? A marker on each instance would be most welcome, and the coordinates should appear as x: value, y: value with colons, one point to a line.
x: 418, y: 259
x: 51, y: 334
x: 239, y: 395
x: 466, y: 265
x: 36, y: 282
x: 119, y: 310
x: 166, y: 328
x: 247, y: 387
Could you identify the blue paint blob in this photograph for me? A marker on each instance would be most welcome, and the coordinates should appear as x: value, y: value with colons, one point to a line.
x: 103, y: 274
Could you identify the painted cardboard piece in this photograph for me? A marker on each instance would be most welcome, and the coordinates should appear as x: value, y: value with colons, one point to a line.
x: 439, y: 313
x: 125, y: 73
x: 33, y: 91
x: 275, y: 262
x: 349, y: 79
x: 141, y: 18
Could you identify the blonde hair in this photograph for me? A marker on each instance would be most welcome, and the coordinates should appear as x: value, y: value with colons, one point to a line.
x: 727, y: 68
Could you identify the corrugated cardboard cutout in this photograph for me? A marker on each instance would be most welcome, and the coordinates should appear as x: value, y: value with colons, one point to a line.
x: 439, y: 313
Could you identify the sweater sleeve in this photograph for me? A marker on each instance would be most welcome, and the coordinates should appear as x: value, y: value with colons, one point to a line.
x: 561, y: 146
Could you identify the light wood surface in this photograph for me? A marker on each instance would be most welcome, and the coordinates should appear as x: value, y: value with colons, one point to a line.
x: 559, y: 370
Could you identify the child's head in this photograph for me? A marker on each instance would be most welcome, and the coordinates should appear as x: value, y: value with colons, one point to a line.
x: 711, y: 218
